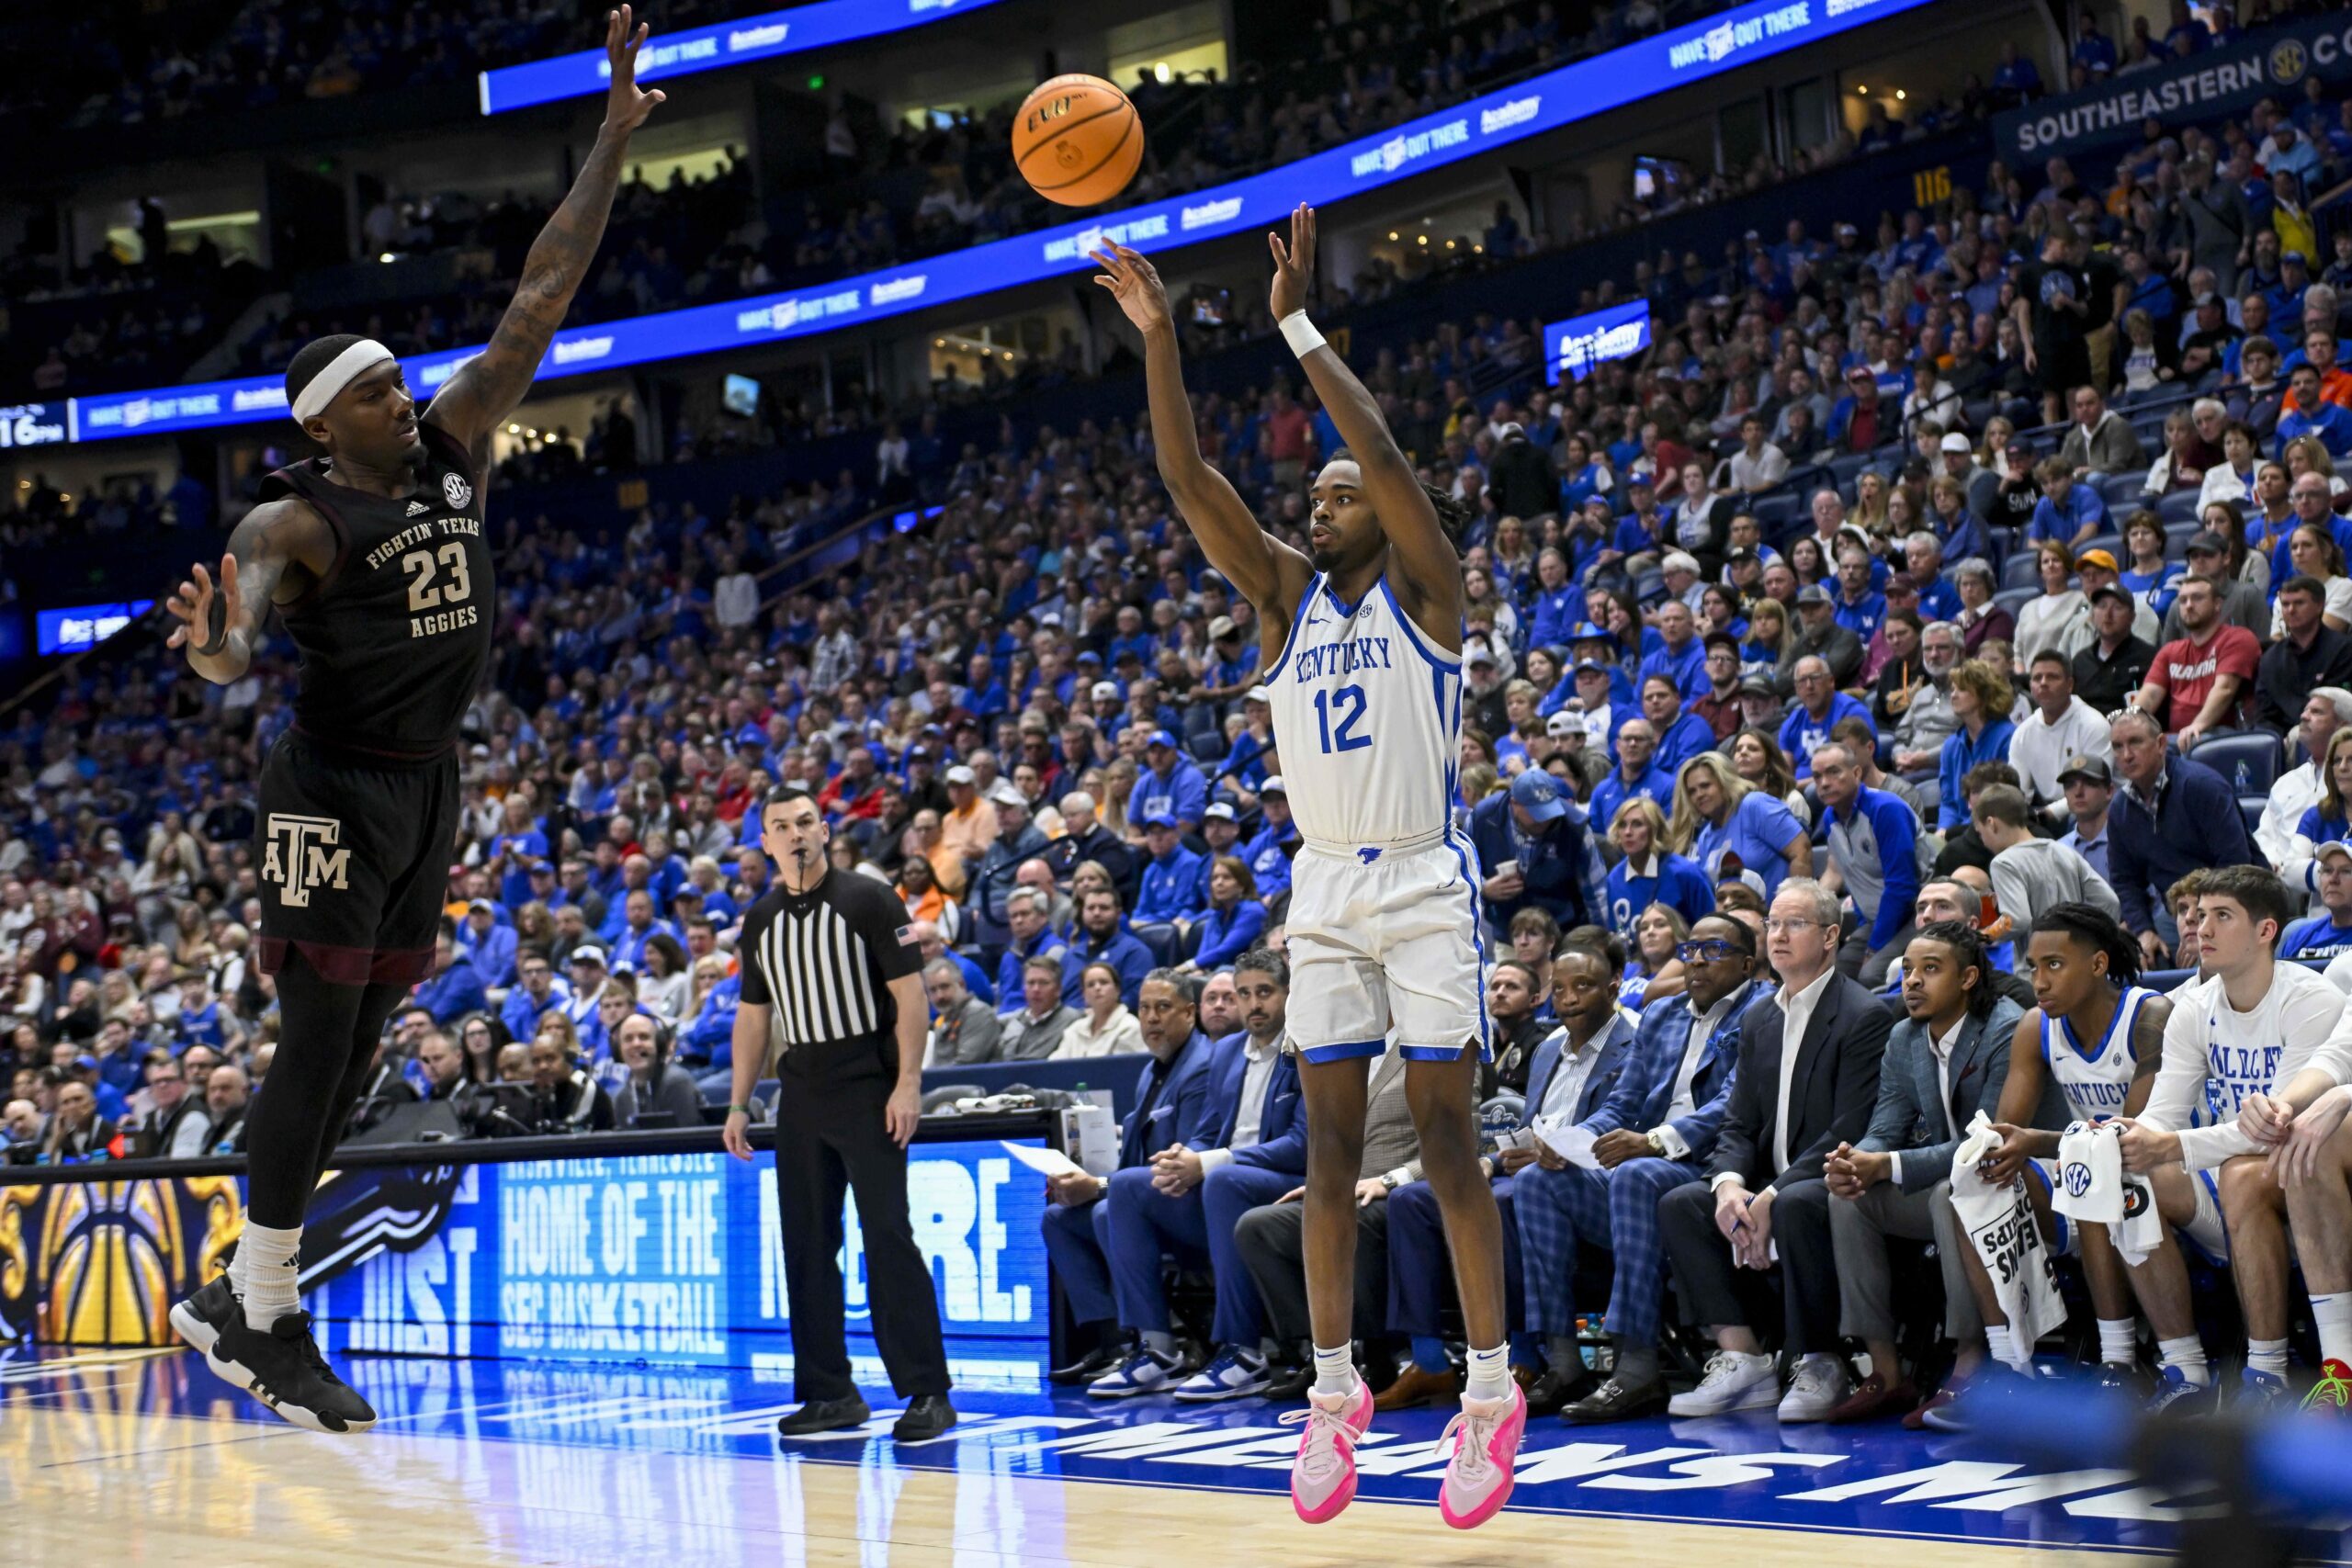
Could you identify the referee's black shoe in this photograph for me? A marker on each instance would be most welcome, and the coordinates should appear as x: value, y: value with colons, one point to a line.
x: 927, y: 1415
x: 282, y: 1368
x: 824, y: 1415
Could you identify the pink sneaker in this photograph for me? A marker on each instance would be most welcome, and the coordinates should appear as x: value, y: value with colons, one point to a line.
x: 1480, y: 1471
x: 1323, y: 1477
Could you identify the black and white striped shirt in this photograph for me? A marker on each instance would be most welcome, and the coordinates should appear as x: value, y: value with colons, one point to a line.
x: 824, y: 961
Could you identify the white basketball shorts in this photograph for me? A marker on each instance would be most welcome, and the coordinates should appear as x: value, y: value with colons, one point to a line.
x: 1386, y: 935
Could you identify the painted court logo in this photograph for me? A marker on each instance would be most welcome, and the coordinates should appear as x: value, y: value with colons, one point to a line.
x: 302, y: 857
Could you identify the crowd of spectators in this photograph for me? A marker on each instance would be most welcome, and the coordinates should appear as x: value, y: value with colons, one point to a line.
x: 883, y: 195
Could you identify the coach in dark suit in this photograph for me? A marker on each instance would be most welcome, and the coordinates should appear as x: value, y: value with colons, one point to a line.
x: 1806, y: 1082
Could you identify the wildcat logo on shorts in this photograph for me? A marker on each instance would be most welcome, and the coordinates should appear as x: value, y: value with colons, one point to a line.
x: 301, y: 857
x: 455, y: 487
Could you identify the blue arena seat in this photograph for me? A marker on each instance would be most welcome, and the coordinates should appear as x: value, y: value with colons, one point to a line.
x: 2180, y: 506
x: 2249, y: 759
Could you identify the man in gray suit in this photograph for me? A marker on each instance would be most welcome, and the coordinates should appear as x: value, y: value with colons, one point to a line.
x: 1946, y: 1061
x: 1272, y: 1239
x: 1806, y: 1082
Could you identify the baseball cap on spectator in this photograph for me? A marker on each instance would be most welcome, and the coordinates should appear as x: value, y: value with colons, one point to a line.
x: 543, y: 869
x: 1813, y: 593
x: 2094, y: 769
x: 1595, y: 665
x: 1585, y: 631
x: 2097, y: 559
x: 1127, y: 656
x: 1088, y: 655
x: 588, y: 953
x: 623, y: 966
x: 85, y: 1063
x: 1220, y: 811
x: 1757, y: 686
x: 1160, y: 820
x: 1739, y: 553
x: 2293, y: 258
x: 1510, y: 429
x: 1105, y: 691
x: 1900, y: 582
x: 1860, y: 373
x: 1953, y: 441
x: 1562, y: 723
x: 1258, y: 695
x: 1538, y: 793
x: 1480, y: 653
x: 1160, y: 738
x: 481, y: 907
x: 1274, y: 785
x: 1223, y: 627
x: 2207, y: 544
x: 1050, y: 618
x: 960, y: 774
x: 1006, y: 792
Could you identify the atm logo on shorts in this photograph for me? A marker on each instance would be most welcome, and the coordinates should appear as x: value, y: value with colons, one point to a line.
x: 301, y: 857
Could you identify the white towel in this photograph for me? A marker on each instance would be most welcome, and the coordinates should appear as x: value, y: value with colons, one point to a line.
x: 2093, y: 1187
x: 2000, y: 1224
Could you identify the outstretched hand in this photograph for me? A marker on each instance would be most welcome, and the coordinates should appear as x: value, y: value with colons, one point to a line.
x: 1135, y: 283
x: 626, y: 108
x: 1294, y: 263
x: 206, y: 611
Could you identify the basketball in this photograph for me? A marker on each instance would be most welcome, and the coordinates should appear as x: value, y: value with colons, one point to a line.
x: 1078, y: 140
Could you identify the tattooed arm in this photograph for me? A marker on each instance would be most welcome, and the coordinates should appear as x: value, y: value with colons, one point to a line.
x: 489, y: 386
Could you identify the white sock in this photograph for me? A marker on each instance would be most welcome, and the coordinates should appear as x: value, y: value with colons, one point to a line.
x: 2118, y: 1340
x: 2003, y: 1345
x: 1160, y: 1343
x: 2332, y: 1315
x: 2267, y: 1356
x: 1489, y: 1374
x: 2187, y: 1354
x: 265, y: 1274
x: 1335, y: 1371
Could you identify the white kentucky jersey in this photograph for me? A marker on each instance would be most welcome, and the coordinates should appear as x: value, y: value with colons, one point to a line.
x: 1367, y: 714
x: 2095, y: 1078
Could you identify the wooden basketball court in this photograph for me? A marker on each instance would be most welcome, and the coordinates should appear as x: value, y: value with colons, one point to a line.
x: 145, y: 1458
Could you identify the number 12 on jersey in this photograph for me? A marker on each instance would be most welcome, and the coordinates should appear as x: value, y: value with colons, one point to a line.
x: 1344, y: 705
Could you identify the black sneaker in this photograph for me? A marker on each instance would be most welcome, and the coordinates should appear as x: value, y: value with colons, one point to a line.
x: 198, y: 1319
x: 927, y: 1415
x: 825, y: 1416
x: 283, y: 1368
x: 1089, y: 1367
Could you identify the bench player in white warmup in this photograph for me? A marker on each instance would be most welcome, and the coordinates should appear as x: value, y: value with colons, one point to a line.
x: 1363, y: 662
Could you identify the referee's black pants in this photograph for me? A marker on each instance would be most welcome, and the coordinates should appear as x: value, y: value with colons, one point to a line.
x: 830, y: 1140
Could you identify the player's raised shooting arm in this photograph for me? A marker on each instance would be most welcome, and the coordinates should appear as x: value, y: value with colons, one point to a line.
x: 220, y: 618
x: 1263, y: 569
x: 1407, y: 516
x: 489, y: 386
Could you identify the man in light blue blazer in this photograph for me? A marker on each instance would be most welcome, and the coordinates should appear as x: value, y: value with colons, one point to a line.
x: 1945, y: 1061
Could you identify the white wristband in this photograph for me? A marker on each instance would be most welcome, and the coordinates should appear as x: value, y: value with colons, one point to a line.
x: 1300, y: 333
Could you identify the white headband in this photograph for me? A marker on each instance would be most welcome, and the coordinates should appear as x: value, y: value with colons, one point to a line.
x: 364, y: 354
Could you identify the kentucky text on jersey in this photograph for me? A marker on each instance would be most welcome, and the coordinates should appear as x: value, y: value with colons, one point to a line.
x: 2238, y: 1071
x: 408, y: 538
x: 1345, y: 657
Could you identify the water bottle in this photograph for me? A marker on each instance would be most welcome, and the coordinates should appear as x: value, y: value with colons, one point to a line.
x: 2245, y: 780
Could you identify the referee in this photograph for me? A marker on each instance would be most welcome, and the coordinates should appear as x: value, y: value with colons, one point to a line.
x: 831, y: 981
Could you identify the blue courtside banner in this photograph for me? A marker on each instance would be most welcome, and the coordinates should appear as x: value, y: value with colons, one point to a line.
x: 674, y: 1258
x: 2179, y: 92
x: 1541, y: 104
x: 1573, y: 347
x: 765, y: 37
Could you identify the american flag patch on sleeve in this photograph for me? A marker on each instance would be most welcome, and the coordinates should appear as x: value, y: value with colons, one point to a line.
x: 906, y: 936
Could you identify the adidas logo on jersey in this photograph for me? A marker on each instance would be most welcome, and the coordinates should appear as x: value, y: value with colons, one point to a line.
x: 416, y: 506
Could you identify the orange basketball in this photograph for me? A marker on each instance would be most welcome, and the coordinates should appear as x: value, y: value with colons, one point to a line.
x: 1078, y: 140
